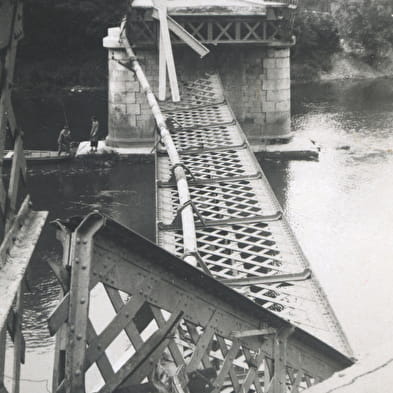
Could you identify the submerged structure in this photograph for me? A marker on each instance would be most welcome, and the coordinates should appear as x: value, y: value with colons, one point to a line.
x: 225, y: 301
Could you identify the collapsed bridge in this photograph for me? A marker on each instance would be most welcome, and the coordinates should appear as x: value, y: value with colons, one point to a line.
x: 224, y: 302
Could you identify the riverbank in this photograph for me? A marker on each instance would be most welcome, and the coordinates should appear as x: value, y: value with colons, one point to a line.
x: 343, y: 66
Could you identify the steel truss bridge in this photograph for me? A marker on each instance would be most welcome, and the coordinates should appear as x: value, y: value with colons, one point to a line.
x: 224, y: 302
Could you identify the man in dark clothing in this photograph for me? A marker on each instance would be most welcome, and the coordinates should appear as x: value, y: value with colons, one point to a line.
x: 94, y: 134
x: 64, y: 141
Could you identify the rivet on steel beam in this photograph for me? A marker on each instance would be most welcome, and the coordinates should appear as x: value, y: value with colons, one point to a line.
x: 72, y: 328
x: 79, y: 337
x: 78, y: 240
x: 84, y: 267
x: 127, y: 315
x: 84, y: 241
x: 78, y: 372
x: 83, y: 300
x: 76, y: 260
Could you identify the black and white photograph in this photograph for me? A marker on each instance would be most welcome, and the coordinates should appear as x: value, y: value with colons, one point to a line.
x: 196, y: 196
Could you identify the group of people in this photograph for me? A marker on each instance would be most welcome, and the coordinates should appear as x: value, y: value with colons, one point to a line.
x: 64, y: 139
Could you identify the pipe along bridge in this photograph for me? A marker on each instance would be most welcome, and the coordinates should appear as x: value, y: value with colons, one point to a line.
x: 225, y: 301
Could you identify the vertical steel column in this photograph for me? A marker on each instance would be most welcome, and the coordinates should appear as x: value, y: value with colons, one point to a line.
x: 280, y: 360
x: 81, y: 258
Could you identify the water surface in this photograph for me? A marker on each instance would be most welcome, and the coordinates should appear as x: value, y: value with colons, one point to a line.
x: 340, y: 207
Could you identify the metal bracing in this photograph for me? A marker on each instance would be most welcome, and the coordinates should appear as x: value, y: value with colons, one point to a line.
x: 241, y: 233
x: 238, y: 30
x: 166, y: 322
x: 20, y: 226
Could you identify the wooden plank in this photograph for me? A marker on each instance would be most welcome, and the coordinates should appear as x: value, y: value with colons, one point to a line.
x: 164, y: 33
x: 18, y: 355
x: 185, y: 36
x: 161, y: 69
x: 3, y: 336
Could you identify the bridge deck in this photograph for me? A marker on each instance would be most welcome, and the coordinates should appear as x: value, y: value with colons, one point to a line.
x: 240, y: 230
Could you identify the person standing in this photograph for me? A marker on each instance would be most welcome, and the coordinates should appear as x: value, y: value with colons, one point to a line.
x: 64, y: 141
x: 94, y: 134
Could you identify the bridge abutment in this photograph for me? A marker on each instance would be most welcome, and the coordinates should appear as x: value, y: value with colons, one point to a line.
x: 256, y: 80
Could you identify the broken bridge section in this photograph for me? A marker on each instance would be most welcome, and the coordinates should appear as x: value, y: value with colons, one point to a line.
x: 135, y: 318
x: 242, y: 237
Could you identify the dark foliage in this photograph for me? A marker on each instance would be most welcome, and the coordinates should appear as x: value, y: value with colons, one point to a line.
x: 63, y: 41
x: 317, y: 40
x: 367, y: 26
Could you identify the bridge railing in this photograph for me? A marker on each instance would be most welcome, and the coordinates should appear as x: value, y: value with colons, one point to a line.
x: 20, y: 226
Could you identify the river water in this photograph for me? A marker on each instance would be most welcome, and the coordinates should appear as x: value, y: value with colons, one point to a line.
x: 340, y: 207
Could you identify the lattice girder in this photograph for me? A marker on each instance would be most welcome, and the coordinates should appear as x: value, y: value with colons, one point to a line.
x: 173, y: 315
x: 240, y: 230
x: 219, y: 30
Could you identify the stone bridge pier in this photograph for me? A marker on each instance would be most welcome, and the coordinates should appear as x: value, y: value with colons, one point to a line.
x: 249, y: 47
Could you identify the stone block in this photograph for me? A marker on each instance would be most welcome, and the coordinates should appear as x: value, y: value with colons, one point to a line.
x: 269, y: 63
x: 283, y: 106
x: 268, y: 106
x: 278, y: 53
x: 279, y: 84
x: 132, y: 85
x: 133, y: 109
x: 277, y: 73
x: 277, y: 117
x: 283, y: 63
x: 129, y: 98
x: 278, y: 95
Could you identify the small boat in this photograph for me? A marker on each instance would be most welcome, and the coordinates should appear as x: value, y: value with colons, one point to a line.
x: 39, y: 156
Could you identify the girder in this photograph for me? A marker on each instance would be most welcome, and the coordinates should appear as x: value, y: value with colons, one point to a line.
x: 241, y: 232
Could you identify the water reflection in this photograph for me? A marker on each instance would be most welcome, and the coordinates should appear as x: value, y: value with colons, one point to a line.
x: 340, y: 207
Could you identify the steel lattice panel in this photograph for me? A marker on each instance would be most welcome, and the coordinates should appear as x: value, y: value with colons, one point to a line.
x: 232, y: 195
x: 222, y: 201
x: 203, y: 116
x: 216, y: 164
x: 206, y: 137
x: 200, y: 92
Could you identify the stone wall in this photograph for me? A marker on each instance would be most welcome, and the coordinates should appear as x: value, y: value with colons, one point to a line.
x: 256, y: 80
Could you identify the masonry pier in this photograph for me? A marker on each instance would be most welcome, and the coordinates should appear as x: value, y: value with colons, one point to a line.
x: 249, y: 47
